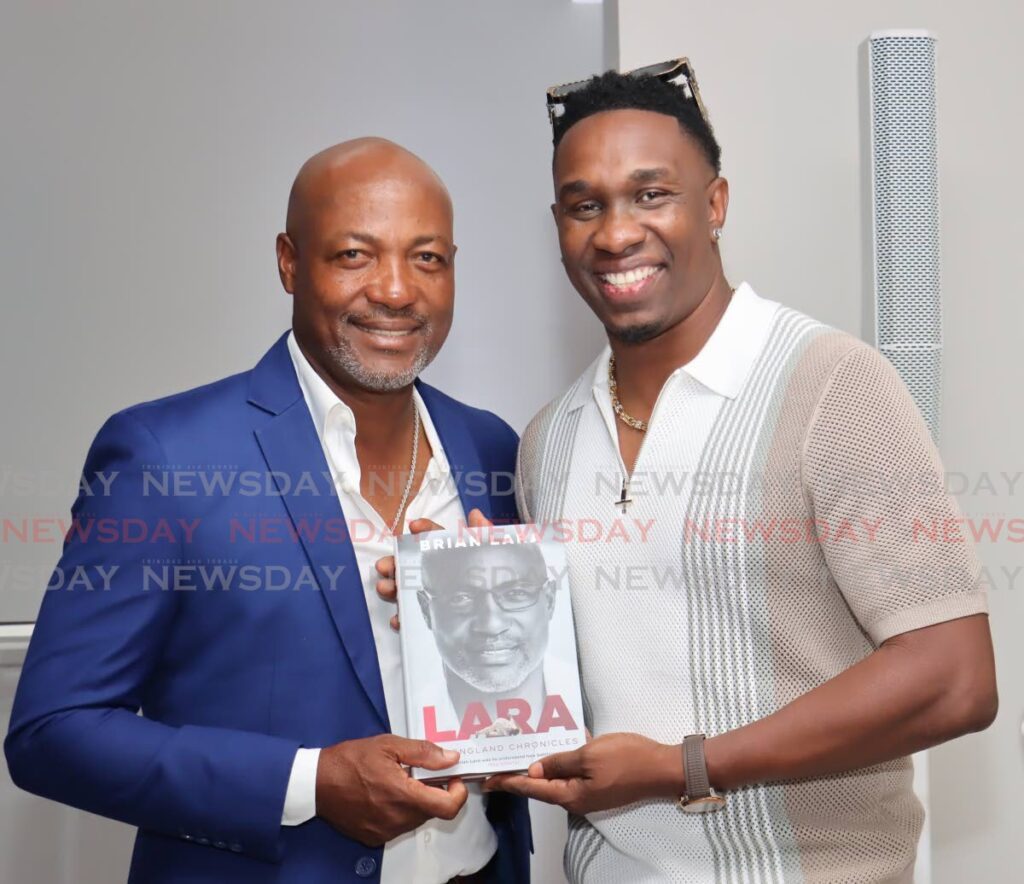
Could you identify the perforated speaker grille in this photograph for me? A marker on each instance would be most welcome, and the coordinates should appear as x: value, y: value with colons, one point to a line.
x: 905, y: 192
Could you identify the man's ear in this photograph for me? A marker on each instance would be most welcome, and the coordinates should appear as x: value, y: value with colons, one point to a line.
x: 718, y: 202
x: 286, y: 255
x: 424, y: 601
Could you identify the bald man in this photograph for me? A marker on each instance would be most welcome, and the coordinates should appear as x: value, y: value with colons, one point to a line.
x: 232, y: 687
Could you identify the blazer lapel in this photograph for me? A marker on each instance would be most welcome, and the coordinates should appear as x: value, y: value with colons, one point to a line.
x: 292, y: 450
x: 463, y: 457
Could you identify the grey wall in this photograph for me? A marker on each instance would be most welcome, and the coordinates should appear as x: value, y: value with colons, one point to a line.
x: 781, y: 84
x: 148, y: 150
x: 147, y: 154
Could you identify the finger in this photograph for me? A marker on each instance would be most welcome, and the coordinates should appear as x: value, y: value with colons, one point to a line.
x: 396, y: 624
x: 495, y: 782
x: 550, y: 791
x: 423, y: 753
x: 418, y: 526
x: 561, y: 766
x: 458, y: 790
x: 387, y: 589
x: 386, y: 567
x: 439, y: 802
x: 477, y: 519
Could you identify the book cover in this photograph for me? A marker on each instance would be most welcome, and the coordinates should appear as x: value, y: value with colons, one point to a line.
x: 488, y: 647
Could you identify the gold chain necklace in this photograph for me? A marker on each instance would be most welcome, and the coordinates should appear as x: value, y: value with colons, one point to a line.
x: 620, y: 412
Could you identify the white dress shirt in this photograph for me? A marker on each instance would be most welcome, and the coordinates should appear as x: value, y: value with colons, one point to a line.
x: 439, y: 849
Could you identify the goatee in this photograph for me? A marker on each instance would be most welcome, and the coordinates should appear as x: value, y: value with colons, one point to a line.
x: 636, y: 334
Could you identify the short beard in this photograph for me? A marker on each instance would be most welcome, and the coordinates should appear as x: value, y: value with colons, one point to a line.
x: 505, y: 679
x: 636, y: 334
x: 346, y: 357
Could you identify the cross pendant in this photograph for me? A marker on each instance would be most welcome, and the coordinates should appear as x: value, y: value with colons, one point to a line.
x: 623, y: 500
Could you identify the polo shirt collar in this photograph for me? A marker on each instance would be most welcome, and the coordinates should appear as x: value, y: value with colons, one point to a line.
x: 724, y: 361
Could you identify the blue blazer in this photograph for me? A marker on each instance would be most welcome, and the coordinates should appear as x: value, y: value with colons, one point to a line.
x: 235, y: 621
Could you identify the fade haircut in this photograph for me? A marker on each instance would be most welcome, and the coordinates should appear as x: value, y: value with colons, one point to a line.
x: 614, y: 91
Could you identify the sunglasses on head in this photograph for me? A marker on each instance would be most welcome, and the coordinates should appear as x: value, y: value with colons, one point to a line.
x: 678, y: 72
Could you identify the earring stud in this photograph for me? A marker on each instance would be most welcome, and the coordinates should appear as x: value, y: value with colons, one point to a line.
x: 717, y: 233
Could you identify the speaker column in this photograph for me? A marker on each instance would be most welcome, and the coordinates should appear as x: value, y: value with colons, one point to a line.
x: 905, y: 212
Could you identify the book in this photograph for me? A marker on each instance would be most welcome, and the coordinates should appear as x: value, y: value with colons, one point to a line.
x: 488, y: 644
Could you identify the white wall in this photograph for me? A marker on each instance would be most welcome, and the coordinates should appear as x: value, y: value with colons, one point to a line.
x: 781, y: 84
x: 147, y: 154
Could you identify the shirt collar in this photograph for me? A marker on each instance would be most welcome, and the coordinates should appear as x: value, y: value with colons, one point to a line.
x: 324, y: 406
x: 724, y: 361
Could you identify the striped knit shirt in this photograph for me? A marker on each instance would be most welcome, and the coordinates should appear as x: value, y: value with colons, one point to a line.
x: 788, y: 514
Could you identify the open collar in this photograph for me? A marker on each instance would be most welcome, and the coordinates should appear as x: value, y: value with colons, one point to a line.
x: 724, y: 362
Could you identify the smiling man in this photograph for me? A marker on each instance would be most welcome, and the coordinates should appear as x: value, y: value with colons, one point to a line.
x: 269, y: 747
x: 777, y: 686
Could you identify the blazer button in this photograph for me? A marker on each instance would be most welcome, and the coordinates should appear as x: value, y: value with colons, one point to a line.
x: 220, y: 845
x: 235, y: 847
x: 366, y: 866
x: 203, y: 841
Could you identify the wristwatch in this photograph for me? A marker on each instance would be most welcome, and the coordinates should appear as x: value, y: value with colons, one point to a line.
x: 699, y: 797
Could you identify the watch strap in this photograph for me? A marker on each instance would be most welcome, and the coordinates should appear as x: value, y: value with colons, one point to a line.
x: 695, y: 768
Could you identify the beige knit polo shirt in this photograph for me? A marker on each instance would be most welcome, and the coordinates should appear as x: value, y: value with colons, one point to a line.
x: 788, y: 515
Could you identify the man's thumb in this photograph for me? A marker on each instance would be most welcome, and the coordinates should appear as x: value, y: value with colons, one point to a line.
x: 418, y: 526
x: 561, y: 766
x: 423, y: 753
x: 478, y: 520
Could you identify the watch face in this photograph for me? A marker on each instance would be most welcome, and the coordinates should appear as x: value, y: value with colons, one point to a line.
x: 704, y: 805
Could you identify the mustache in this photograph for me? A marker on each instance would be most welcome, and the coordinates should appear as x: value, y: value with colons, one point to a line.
x: 504, y: 644
x: 380, y: 312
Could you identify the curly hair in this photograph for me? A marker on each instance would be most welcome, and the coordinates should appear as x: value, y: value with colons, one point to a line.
x: 614, y: 91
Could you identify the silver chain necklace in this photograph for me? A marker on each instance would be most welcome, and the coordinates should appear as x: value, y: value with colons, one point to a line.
x: 412, y: 467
